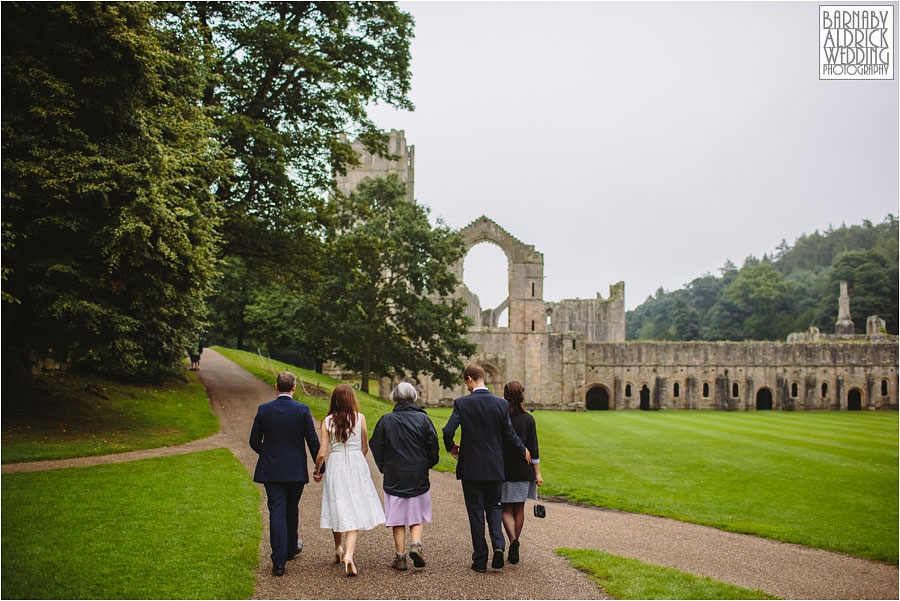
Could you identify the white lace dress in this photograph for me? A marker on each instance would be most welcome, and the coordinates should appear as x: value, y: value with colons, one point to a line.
x: 349, y: 498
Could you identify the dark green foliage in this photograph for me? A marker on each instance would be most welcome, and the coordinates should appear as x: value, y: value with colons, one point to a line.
x: 289, y: 80
x: 109, y: 223
x: 386, y: 283
x: 769, y: 298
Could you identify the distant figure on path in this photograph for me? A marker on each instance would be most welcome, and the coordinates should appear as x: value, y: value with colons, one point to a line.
x: 486, y: 426
x: 279, y: 429
x: 521, y: 476
x: 405, y: 446
x: 349, y: 500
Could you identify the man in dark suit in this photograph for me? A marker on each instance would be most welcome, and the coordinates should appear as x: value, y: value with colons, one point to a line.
x: 485, y: 428
x: 279, y: 429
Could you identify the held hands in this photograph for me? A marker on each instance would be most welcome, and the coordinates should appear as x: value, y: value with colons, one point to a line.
x: 317, y: 476
x: 455, y: 451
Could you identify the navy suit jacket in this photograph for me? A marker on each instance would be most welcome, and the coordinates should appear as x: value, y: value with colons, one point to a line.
x: 279, y: 429
x: 485, y: 428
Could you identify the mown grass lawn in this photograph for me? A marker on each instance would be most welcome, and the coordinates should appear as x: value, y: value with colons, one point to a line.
x: 625, y: 578
x: 822, y: 479
x: 180, y: 527
x: 70, y: 415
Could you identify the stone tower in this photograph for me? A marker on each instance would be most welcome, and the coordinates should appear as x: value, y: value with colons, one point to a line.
x: 376, y: 166
x: 844, y: 325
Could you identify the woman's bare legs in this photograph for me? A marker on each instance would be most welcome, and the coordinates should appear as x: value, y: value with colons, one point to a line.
x: 400, y: 539
x: 415, y: 532
x: 338, y: 550
x: 350, y: 545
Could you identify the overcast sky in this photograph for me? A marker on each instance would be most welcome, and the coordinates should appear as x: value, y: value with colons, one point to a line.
x: 639, y: 141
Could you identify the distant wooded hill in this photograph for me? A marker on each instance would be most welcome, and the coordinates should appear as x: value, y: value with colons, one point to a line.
x: 794, y: 288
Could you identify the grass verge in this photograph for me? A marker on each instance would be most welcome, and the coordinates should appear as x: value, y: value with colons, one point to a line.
x: 821, y: 479
x: 150, y: 529
x: 318, y: 387
x: 625, y: 578
x: 71, y: 415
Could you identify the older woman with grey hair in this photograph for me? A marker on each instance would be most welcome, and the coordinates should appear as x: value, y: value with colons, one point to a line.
x: 405, y: 446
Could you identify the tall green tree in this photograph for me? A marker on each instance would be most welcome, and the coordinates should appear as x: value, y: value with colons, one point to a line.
x: 288, y: 80
x: 387, y: 286
x: 108, y: 159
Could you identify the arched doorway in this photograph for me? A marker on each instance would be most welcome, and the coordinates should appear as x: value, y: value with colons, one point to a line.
x: 597, y: 398
x: 492, y: 379
x: 763, y: 399
x: 645, y: 398
x: 854, y: 400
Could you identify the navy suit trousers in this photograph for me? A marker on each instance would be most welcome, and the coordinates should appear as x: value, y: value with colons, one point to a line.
x: 483, y: 501
x: 283, y: 499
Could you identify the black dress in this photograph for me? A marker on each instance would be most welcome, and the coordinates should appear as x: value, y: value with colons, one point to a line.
x: 519, y: 484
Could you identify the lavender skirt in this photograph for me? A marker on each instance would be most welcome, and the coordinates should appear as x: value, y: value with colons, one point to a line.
x: 407, y: 511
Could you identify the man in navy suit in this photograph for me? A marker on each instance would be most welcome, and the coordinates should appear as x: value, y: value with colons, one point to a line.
x: 485, y: 428
x: 279, y: 429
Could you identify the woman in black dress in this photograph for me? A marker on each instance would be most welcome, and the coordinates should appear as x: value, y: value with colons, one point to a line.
x: 521, y: 476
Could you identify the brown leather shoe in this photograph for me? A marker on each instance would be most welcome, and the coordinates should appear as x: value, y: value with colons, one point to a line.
x: 399, y: 562
x: 417, y: 554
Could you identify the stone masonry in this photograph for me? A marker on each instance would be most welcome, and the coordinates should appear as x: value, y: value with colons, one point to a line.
x: 572, y: 355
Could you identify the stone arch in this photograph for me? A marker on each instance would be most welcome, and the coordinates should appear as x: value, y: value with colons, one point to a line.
x: 525, y: 277
x: 854, y: 399
x: 492, y: 378
x: 764, y: 399
x: 597, y: 398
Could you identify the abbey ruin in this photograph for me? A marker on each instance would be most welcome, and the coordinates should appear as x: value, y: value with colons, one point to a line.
x: 572, y: 354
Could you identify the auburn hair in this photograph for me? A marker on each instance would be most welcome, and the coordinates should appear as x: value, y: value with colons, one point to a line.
x: 514, y: 393
x: 343, y: 411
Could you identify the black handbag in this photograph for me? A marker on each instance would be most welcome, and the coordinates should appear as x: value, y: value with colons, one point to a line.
x: 539, y: 510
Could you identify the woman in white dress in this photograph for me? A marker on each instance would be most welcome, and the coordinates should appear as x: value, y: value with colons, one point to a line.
x: 349, y: 500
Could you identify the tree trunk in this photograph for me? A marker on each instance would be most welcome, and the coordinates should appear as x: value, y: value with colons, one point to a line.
x: 320, y: 363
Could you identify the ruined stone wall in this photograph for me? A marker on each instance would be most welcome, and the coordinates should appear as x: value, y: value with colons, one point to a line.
x: 376, y: 166
x: 730, y: 375
x: 598, y: 319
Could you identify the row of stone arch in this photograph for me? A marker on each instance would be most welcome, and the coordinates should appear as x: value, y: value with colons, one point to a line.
x: 597, y: 399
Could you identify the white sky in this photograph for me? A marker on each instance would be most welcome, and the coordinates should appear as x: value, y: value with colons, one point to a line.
x: 639, y: 141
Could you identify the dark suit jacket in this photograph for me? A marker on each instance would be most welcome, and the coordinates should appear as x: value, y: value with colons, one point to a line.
x: 279, y: 429
x: 485, y: 427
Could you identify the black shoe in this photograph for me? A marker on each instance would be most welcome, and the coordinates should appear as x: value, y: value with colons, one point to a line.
x: 296, y: 551
x: 497, y: 561
x: 514, y: 552
x: 479, y: 569
x: 277, y: 570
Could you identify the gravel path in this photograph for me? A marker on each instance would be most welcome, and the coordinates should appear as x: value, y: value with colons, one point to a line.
x: 786, y: 570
